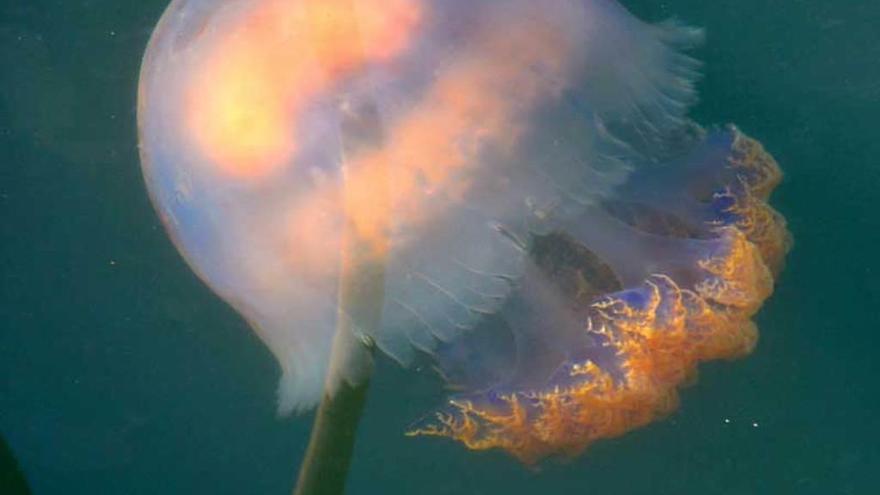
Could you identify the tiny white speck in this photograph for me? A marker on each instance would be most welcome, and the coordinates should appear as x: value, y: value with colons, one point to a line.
x: 112, y: 33
x: 755, y: 424
x: 727, y: 421
x: 112, y: 262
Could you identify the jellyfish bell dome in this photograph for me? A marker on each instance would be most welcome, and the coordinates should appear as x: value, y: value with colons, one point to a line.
x: 444, y: 133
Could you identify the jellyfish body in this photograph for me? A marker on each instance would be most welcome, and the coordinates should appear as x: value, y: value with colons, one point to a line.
x: 458, y: 139
x: 243, y: 105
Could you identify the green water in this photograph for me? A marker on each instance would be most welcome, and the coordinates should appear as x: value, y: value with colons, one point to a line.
x: 121, y: 373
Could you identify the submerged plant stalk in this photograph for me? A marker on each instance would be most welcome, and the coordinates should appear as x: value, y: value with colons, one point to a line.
x: 361, y: 299
x: 325, y: 466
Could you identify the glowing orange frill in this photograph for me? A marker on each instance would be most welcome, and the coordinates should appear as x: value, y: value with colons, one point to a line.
x: 658, y: 342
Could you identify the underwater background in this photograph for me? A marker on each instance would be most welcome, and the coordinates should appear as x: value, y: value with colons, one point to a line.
x: 120, y: 372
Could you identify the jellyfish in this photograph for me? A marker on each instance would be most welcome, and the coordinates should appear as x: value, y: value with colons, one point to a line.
x: 541, y: 219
